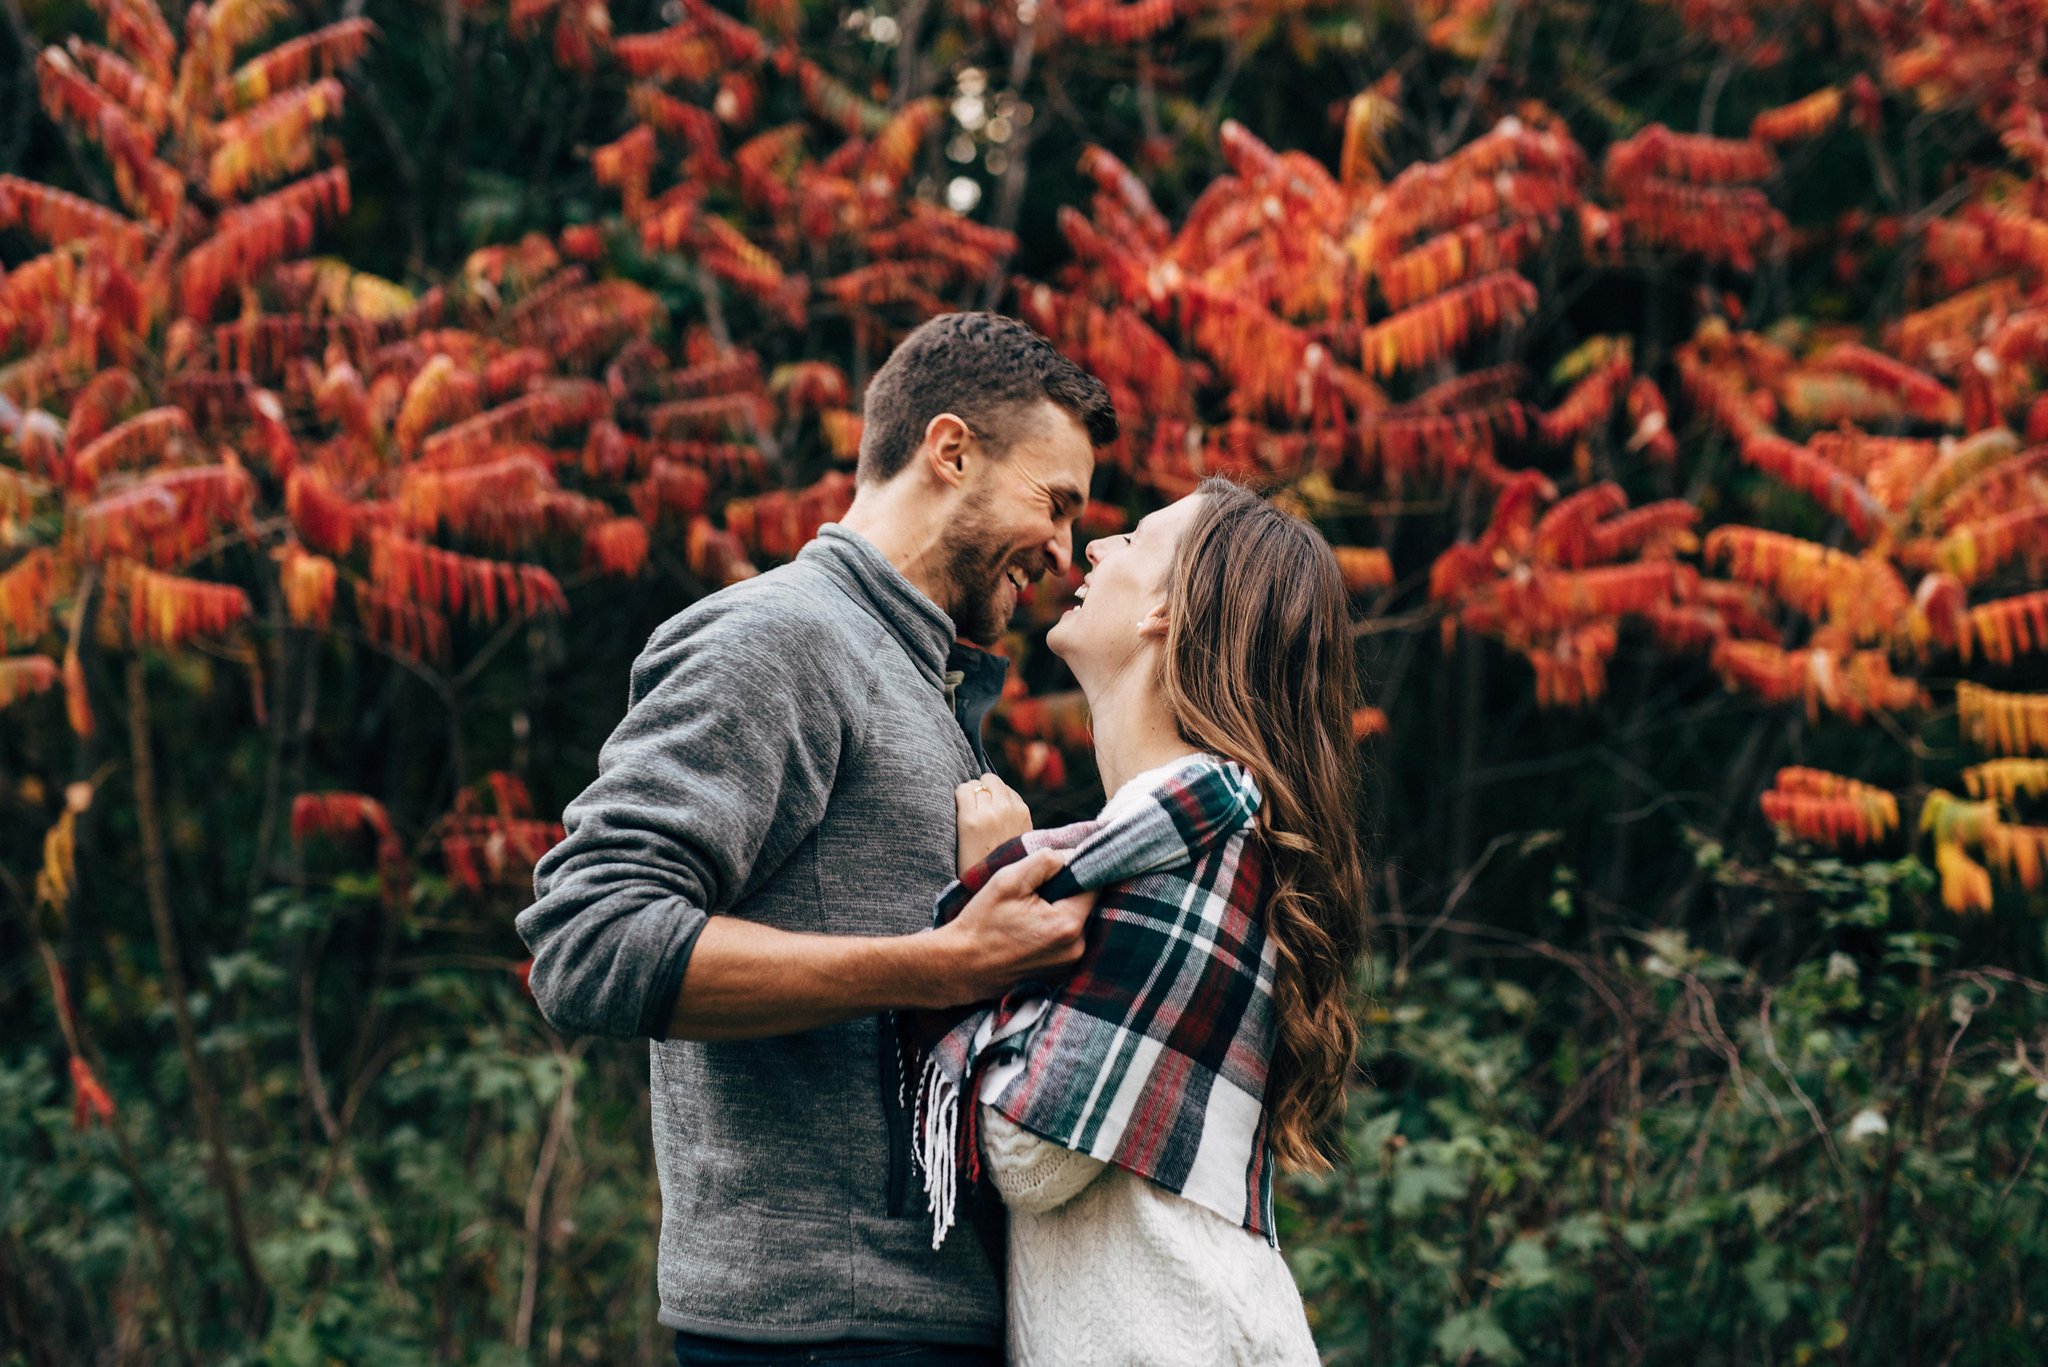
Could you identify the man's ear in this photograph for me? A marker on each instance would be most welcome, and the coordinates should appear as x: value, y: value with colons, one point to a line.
x: 944, y: 449
x: 1152, y: 626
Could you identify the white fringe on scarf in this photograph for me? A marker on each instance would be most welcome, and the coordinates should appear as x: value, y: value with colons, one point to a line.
x: 938, y: 1146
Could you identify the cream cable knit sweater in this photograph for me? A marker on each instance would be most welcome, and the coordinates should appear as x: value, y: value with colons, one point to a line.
x: 1108, y: 1269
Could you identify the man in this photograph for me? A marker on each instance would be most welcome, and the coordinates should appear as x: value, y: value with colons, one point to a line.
x: 749, y: 880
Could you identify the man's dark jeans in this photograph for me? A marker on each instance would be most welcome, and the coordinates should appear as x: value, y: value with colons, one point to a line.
x: 694, y: 1350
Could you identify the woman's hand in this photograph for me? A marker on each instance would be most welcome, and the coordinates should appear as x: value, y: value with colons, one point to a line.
x: 990, y: 813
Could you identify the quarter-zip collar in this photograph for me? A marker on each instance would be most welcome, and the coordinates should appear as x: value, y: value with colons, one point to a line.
x: 970, y: 677
x: 868, y: 578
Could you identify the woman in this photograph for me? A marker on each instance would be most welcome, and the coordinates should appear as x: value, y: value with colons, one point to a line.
x: 1130, y: 1115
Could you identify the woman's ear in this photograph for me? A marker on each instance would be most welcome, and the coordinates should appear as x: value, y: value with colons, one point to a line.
x: 1152, y: 626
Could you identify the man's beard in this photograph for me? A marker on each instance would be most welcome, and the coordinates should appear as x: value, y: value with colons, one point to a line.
x: 976, y: 576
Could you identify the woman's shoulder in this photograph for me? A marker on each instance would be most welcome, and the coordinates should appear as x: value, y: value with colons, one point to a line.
x: 1193, y: 776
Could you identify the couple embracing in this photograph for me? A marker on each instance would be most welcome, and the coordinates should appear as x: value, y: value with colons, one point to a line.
x: 931, y: 1086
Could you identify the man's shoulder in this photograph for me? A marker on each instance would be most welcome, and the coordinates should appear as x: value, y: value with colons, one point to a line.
x: 791, y: 609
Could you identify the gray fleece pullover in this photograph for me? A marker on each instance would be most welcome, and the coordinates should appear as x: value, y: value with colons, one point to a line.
x: 789, y: 754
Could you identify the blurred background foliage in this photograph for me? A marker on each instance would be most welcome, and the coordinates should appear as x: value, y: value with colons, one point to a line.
x: 1646, y: 1079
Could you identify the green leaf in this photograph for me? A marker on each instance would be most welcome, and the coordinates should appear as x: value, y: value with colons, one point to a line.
x: 1580, y: 1233
x: 1514, y: 999
x: 1765, y: 1204
x: 1771, y: 1293
x: 1478, y: 1332
x: 1527, y: 1264
x: 1418, y: 1182
x: 1374, y: 1134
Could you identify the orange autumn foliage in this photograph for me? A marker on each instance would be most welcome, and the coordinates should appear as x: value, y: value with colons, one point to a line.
x: 2003, y: 723
x: 1862, y: 594
x: 1942, y: 334
x: 90, y: 1105
x: 341, y: 817
x: 28, y: 588
x: 144, y: 437
x: 1798, y: 468
x: 270, y: 139
x: 1365, y: 568
x: 1657, y: 151
x: 1590, y: 401
x: 449, y: 582
x: 2009, y: 627
x: 544, y: 412
x: 402, y: 627
x: 324, y: 51
x: 1830, y: 809
x: 308, y: 582
x: 491, y: 838
x: 1058, y: 717
x: 1961, y: 829
x: 775, y: 525
x: 1452, y: 257
x: 1731, y: 225
x: 1538, y: 584
x: 1804, y: 118
x: 2007, y: 780
x: 1438, y: 326
x: 1977, y: 550
x: 1851, y: 684
x: 503, y: 503
x: 1924, y: 396
x: 23, y: 675
x: 617, y: 546
x: 163, y: 519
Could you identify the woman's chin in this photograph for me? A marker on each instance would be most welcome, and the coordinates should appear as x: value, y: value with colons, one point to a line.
x: 1072, y: 639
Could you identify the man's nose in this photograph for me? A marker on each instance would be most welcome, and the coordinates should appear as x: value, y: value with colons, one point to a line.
x: 1059, y: 551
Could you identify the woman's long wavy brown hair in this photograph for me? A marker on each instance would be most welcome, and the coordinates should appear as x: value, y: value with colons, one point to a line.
x: 1259, y: 670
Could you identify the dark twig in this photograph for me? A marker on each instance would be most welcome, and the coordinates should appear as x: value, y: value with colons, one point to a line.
x: 157, y: 890
x: 537, y: 1192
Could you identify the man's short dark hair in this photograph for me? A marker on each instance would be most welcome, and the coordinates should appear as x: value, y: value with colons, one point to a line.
x: 983, y: 368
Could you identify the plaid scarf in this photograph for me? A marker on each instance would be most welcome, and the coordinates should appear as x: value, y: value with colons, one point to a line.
x: 1153, y: 1055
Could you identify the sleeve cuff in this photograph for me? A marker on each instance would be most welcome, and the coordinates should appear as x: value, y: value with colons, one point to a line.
x: 667, y: 986
x: 1031, y: 1173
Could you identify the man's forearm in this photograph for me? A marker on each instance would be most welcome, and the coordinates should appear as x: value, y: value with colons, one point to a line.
x: 749, y: 981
